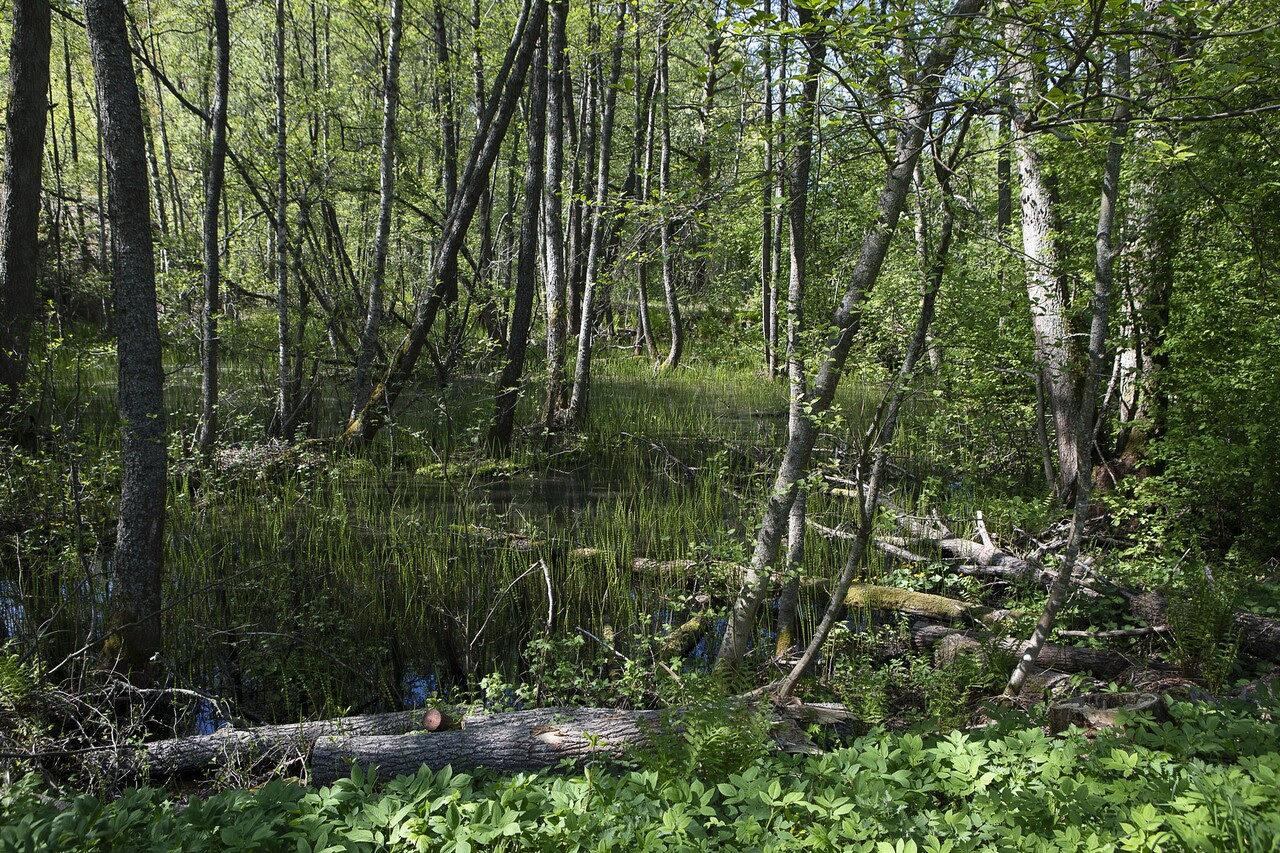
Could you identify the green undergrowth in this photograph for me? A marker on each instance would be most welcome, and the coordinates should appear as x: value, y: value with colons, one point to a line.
x: 1207, y: 780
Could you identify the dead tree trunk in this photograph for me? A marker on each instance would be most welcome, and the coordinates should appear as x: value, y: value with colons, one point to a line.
x: 949, y: 643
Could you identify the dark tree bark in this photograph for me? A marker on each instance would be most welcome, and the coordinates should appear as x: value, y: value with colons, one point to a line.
x: 382, y: 239
x: 508, y: 391
x: 140, y: 533
x: 484, y: 151
x: 212, y: 202
x: 20, y: 194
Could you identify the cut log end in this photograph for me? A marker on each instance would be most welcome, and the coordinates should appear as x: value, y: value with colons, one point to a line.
x: 1102, y: 710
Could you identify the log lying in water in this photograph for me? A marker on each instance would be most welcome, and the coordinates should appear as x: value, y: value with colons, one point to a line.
x: 948, y: 643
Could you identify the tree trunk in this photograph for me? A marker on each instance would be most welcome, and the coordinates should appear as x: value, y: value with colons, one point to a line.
x: 579, y: 400
x: 484, y: 151
x: 513, y: 742
x: 1059, y: 356
x: 282, y: 424
x: 449, y: 143
x: 25, y: 118
x: 844, y: 323
x: 555, y: 282
x: 212, y: 202
x: 139, y: 554
x: 664, y: 190
x: 768, y: 303
x: 508, y: 392
x: 381, y: 240
x: 1082, y: 426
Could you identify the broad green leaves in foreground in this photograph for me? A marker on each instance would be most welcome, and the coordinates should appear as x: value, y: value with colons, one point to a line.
x: 1209, y: 780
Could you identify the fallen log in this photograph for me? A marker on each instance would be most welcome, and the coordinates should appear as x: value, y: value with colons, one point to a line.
x: 255, y: 748
x: 1259, y: 635
x: 949, y: 643
x: 509, y: 743
x: 923, y: 604
x: 685, y: 638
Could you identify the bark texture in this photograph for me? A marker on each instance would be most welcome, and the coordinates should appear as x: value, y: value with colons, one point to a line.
x: 140, y: 532
x: 25, y: 118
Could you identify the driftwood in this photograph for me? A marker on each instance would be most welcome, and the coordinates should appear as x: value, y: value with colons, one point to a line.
x: 948, y: 643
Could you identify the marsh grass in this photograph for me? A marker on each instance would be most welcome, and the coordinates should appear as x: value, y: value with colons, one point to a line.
x: 302, y: 580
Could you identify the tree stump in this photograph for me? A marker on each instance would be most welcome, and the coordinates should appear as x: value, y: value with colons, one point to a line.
x: 1102, y: 710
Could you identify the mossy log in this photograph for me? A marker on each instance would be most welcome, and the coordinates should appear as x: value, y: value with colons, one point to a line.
x: 949, y: 643
x: 684, y: 639
x: 922, y: 604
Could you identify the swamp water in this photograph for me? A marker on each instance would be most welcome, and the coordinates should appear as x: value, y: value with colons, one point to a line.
x: 305, y: 582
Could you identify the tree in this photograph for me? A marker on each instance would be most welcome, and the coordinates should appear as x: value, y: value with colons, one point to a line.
x: 20, y: 195
x: 803, y: 430
x: 1082, y: 426
x: 582, y: 369
x: 508, y: 391
x: 387, y: 182
x: 212, y: 209
x: 502, y: 103
x: 139, y: 550
x: 553, y: 214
